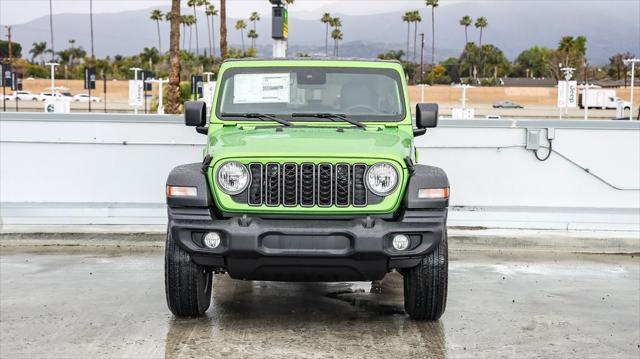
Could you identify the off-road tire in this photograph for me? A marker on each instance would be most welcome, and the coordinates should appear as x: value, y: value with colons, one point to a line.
x: 425, y: 285
x: 187, y: 284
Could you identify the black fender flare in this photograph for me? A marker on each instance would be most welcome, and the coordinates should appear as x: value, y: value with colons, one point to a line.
x: 425, y: 177
x: 190, y: 175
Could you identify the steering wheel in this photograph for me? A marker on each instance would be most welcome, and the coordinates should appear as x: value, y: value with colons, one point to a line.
x: 371, y: 109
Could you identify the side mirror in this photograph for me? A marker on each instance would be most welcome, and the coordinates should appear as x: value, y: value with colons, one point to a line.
x: 195, y: 113
x: 426, y: 115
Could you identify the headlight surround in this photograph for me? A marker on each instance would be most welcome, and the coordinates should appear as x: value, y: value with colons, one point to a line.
x: 382, y: 178
x: 232, y: 178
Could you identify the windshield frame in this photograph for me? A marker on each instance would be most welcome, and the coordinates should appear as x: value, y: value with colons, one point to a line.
x: 386, y: 71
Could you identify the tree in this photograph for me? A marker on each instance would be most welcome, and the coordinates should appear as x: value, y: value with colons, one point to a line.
x: 241, y: 25
x: 434, y: 5
x: 157, y: 16
x: 466, y: 21
x: 336, y: 35
x: 481, y: 23
x: 174, y: 100
x: 223, y: 29
x: 38, y: 49
x: 253, y: 35
x: 184, y: 21
x: 326, y: 20
x: 194, y: 4
x: 531, y: 63
x: 571, y: 52
x: 212, y: 12
x: 392, y: 55
x: 150, y: 55
x: 255, y: 17
x: 415, y: 18
x: 407, y: 18
x: 617, y: 67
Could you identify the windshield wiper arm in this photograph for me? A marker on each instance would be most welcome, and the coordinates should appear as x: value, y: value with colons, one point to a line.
x: 260, y: 116
x: 331, y: 116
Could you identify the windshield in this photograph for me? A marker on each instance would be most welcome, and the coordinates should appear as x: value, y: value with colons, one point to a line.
x: 359, y: 93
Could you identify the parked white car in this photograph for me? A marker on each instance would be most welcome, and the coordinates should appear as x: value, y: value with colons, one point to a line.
x: 83, y: 97
x: 65, y: 96
x: 6, y: 97
x: 26, y: 96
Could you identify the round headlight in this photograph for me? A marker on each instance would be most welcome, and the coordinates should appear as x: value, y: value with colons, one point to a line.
x: 382, y: 178
x: 233, y: 178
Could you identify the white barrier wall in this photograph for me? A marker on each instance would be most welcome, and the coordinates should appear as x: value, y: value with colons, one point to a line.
x: 111, y: 169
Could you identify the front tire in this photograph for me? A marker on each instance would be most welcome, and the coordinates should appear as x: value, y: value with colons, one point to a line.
x: 187, y: 284
x: 425, y: 286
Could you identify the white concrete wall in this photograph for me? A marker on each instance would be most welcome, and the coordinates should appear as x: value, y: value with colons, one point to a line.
x: 111, y: 169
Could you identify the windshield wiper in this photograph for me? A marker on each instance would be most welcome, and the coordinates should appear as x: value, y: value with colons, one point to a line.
x: 260, y: 116
x: 331, y: 116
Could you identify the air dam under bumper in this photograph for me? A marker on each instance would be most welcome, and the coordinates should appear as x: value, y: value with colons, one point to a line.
x: 356, y: 249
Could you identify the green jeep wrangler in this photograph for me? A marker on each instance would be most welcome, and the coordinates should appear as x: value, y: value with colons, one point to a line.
x: 309, y: 174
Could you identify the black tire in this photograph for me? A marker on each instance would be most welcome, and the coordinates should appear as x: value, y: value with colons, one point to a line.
x: 425, y: 286
x: 187, y: 284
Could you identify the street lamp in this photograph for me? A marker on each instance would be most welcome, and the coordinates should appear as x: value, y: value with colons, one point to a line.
x: 633, y: 75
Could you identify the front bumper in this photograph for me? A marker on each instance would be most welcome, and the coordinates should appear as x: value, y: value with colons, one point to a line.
x: 354, y: 249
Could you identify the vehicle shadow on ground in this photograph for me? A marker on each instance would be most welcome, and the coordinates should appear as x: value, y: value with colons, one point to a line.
x: 273, y: 319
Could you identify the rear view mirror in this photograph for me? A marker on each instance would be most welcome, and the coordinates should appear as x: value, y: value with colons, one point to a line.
x: 195, y: 113
x: 426, y: 115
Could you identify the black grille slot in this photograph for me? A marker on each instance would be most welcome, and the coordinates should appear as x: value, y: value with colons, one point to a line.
x: 343, y: 185
x: 307, y: 185
x: 255, y: 190
x: 359, y: 188
x: 272, y: 181
x: 290, y: 184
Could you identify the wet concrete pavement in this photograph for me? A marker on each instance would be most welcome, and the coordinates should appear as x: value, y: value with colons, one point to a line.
x: 110, y: 304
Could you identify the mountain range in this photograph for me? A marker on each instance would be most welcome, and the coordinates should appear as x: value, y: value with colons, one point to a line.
x: 610, y: 27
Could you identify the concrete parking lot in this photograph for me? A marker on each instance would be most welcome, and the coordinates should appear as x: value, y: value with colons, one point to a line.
x: 109, y: 303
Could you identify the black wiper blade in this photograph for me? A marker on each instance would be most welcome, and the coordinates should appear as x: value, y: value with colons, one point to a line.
x: 258, y: 116
x: 331, y: 116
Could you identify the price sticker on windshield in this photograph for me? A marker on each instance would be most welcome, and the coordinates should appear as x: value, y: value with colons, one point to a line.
x: 262, y: 88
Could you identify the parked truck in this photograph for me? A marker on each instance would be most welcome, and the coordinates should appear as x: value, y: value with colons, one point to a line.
x: 602, y: 99
x: 310, y: 173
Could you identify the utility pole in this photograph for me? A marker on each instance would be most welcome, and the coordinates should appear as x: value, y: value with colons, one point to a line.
x: 93, y: 56
x: 421, y: 56
x: 9, y: 39
x: 633, y: 75
x: 53, y: 51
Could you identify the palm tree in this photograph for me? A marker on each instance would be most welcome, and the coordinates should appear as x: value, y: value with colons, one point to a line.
x: 336, y: 35
x: 407, y: 18
x: 466, y: 21
x: 241, y: 25
x: 157, y: 16
x: 481, y: 23
x: 184, y: 21
x: 415, y: 18
x: 254, y: 18
x: 434, y: 5
x: 212, y: 12
x: 223, y: 29
x: 194, y: 4
x: 326, y: 20
x: 253, y: 35
x: 38, y: 49
x: 174, y: 100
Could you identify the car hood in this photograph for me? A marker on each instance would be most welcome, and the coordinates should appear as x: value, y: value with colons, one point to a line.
x: 393, y: 143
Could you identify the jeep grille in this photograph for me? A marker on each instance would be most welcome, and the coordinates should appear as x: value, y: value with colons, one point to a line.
x: 307, y: 184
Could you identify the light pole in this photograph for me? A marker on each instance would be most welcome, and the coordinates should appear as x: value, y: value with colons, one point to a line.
x: 279, y: 28
x: 53, y: 65
x: 421, y: 57
x: 633, y: 75
x: 135, y: 78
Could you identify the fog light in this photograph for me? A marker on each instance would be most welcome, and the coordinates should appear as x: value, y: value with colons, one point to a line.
x: 400, y: 242
x: 212, y: 240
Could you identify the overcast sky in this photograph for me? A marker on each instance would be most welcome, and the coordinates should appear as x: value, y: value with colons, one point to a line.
x: 21, y: 11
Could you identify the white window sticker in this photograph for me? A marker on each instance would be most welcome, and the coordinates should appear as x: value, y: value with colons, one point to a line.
x: 261, y: 88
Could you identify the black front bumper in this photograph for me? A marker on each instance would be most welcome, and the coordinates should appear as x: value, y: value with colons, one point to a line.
x: 256, y: 248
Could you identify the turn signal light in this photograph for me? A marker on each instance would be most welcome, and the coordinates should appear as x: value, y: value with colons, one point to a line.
x: 433, y: 193
x: 177, y: 191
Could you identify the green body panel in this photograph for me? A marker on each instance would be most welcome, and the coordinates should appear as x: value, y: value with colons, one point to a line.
x: 316, y: 142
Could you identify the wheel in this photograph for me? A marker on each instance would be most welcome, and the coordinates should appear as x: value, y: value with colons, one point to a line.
x: 187, y: 284
x: 425, y: 285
